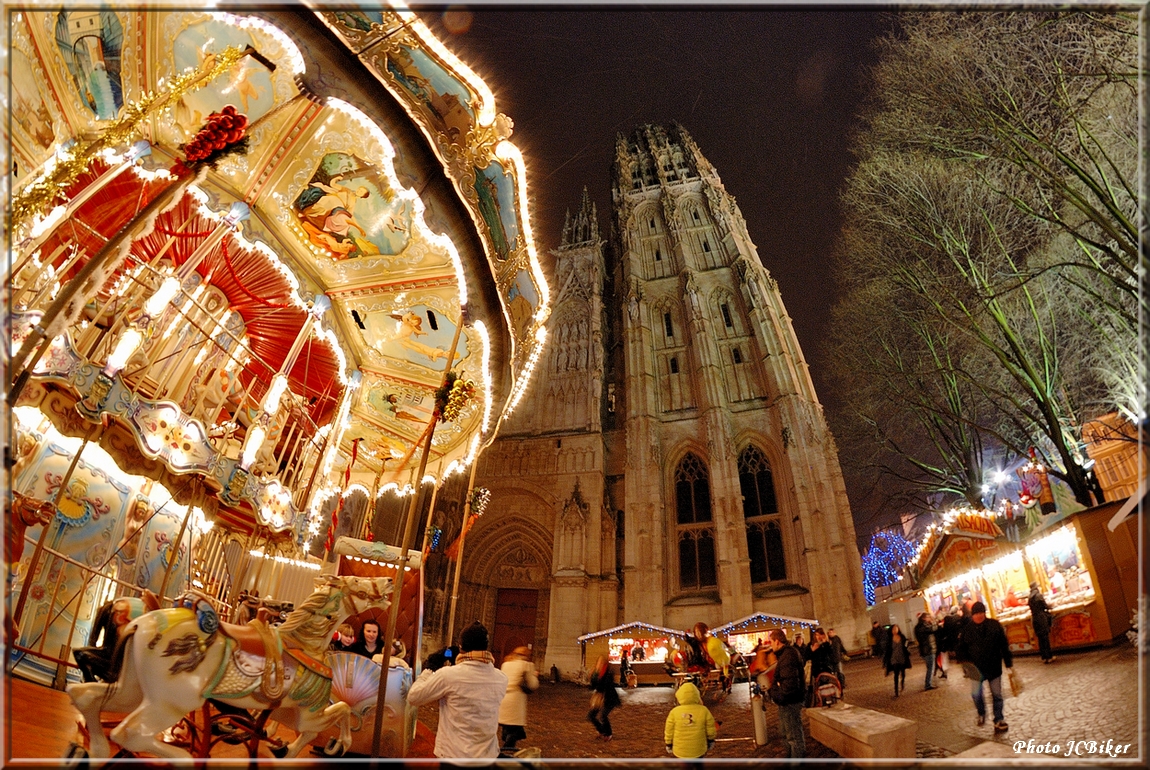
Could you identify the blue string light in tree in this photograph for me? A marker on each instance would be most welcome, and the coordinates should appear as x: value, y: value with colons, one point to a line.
x: 885, y: 558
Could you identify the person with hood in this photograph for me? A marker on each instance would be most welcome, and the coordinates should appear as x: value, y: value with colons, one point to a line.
x: 1042, y: 619
x: 690, y: 728
x: 522, y: 680
x: 983, y: 649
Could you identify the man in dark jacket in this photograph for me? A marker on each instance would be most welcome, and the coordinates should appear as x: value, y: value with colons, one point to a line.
x: 1041, y: 617
x: 924, y: 634
x: 788, y: 691
x: 982, y: 643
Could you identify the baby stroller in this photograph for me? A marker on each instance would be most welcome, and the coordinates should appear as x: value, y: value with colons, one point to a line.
x: 826, y: 690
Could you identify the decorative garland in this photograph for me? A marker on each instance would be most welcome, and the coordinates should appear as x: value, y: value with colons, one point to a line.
x: 39, y: 195
x: 480, y: 497
x: 451, y: 397
x: 222, y: 135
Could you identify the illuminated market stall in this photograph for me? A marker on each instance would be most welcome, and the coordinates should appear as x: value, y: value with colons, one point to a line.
x: 656, y: 643
x: 266, y: 268
x: 742, y: 635
x: 1086, y: 573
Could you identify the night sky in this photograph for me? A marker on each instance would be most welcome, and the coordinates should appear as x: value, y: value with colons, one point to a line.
x: 770, y: 96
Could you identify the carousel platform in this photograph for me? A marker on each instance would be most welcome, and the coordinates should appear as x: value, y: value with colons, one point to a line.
x: 41, y: 721
x: 42, y: 725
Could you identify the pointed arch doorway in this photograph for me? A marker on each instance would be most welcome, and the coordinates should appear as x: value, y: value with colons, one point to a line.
x: 516, y: 611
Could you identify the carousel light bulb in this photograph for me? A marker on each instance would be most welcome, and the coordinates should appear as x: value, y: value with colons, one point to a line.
x: 252, y: 443
x: 275, y: 393
x: 164, y: 295
x: 126, y: 346
x: 48, y: 222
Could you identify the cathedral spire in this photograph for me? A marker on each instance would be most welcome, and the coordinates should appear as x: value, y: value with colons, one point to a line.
x: 585, y: 227
x: 566, y: 240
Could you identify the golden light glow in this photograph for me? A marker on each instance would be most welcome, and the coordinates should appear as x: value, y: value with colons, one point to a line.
x: 126, y: 346
x: 252, y: 443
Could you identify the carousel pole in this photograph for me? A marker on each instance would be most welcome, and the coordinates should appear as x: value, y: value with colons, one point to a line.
x: 369, y: 512
x: 459, y: 556
x: 408, y: 537
x: 176, y: 551
x: 39, y: 552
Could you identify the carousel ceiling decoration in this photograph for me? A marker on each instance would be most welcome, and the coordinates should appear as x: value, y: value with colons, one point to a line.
x: 305, y: 224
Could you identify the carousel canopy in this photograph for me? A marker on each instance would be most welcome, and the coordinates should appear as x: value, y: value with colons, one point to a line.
x: 361, y: 231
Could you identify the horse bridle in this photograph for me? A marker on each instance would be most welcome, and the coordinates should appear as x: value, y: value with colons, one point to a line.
x: 349, y: 594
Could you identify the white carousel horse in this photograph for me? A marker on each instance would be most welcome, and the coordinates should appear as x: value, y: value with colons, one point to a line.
x: 174, y: 659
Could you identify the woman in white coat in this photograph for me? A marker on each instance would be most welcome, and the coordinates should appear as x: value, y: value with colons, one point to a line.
x: 521, y: 680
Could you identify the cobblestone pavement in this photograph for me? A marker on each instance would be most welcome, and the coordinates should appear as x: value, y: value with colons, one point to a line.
x: 557, y: 724
x: 1082, y: 696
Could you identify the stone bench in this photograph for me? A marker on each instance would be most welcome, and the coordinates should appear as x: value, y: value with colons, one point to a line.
x: 851, y: 731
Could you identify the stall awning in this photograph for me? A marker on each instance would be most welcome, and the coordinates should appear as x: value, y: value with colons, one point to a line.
x: 760, y: 618
x: 635, y: 625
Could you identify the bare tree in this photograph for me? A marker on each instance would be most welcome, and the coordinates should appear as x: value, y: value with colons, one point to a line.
x: 990, y: 261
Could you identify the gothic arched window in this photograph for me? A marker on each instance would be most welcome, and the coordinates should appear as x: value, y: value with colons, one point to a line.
x: 761, y: 515
x: 696, y: 533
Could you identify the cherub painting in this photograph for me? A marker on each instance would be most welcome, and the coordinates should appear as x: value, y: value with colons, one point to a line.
x: 247, y: 85
x: 349, y: 209
x: 417, y: 334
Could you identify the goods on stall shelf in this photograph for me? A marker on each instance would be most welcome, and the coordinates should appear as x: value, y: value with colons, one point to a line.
x: 1083, y: 570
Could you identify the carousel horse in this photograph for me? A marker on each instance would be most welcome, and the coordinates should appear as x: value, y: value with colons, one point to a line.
x: 252, y: 606
x: 23, y: 512
x: 175, y: 659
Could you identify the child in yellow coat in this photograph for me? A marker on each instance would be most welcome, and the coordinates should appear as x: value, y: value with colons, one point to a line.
x: 690, y: 728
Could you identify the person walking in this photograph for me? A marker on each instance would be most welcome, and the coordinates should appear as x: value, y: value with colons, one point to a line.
x: 787, y: 692
x: 689, y: 731
x: 942, y: 638
x: 469, y: 695
x: 924, y: 634
x: 604, y: 698
x: 823, y: 659
x: 716, y: 652
x: 896, y: 659
x: 841, y: 651
x: 1043, y: 620
x: 875, y: 635
x: 522, y: 680
x: 983, y: 649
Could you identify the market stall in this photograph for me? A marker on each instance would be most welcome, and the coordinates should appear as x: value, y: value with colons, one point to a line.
x: 744, y: 634
x: 656, y: 644
x: 1076, y: 562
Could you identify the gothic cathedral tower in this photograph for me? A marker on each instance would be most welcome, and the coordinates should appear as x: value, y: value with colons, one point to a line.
x: 733, y: 496
x: 670, y: 463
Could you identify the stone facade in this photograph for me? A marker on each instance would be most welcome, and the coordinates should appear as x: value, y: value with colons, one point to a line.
x: 671, y: 462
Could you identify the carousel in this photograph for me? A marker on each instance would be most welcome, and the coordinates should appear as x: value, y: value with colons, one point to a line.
x: 266, y: 267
